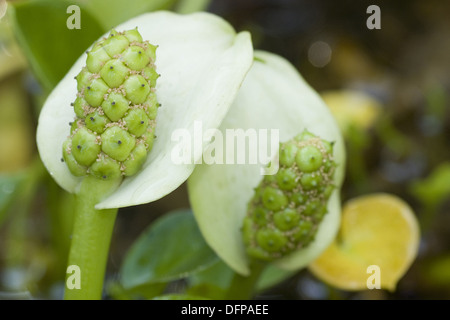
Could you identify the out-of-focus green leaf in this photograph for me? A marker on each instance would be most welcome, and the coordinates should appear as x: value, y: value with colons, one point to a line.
x: 218, y: 277
x: 435, y: 188
x: 113, y: 12
x: 189, y: 6
x: 436, y: 271
x: 272, y: 276
x: 11, y: 58
x: 9, y: 185
x: 170, y: 249
x: 117, y: 292
x: 49, y: 46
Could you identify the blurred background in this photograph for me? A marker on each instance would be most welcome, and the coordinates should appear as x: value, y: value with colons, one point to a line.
x: 389, y: 89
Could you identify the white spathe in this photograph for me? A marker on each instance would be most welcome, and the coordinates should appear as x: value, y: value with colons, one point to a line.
x: 273, y: 96
x: 202, y: 62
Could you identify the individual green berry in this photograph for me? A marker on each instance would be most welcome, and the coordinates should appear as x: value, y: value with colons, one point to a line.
x: 260, y: 216
x: 135, y: 58
x: 116, y: 108
x: 95, y: 92
x: 115, y: 44
x: 274, y: 199
x: 96, y: 122
x: 114, y: 73
x: 85, y: 147
x: 74, y: 167
x: 117, y: 143
x: 137, y: 89
x: 150, y: 50
x: 137, y: 122
x: 320, y: 212
x: 286, y: 219
x: 151, y: 102
x: 151, y: 75
x: 133, y: 35
x: 259, y: 253
x: 286, y: 179
x: 96, y: 59
x: 271, y: 240
x: 311, y: 207
x: 105, y: 168
x: 135, y: 160
x: 305, y: 136
x: 328, y: 146
x: 287, y: 208
x: 79, y: 106
x: 298, y: 198
x: 84, y: 78
x: 151, y: 110
x: 74, y: 125
x: 149, y: 138
x: 310, y: 181
x: 287, y: 154
x: 304, y: 230
x: 309, y: 159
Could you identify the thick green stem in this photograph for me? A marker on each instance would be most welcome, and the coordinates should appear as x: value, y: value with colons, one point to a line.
x: 90, y: 241
x: 242, y: 288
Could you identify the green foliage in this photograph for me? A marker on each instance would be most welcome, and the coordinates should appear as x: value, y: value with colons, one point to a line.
x: 170, y: 249
x: 9, y: 186
x: 49, y: 46
x: 215, y: 280
x: 435, y: 188
x: 113, y: 12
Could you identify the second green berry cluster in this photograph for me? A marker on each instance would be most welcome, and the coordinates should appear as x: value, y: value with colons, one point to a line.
x: 287, y: 208
x: 115, y: 108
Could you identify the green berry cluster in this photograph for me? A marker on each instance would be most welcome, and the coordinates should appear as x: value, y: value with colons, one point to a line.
x: 287, y: 208
x: 115, y: 108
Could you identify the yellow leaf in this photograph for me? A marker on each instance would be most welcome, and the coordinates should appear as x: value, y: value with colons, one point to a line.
x: 352, y: 108
x: 377, y: 230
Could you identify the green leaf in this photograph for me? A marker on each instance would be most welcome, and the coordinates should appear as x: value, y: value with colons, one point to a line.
x: 113, y: 12
x: 189, y: 6
x: 217, y: 278
x: 435, y: 188
x: 147, y: 291
x: 272, y: 276
x: 49, y: 46
x: 9, y: 185
x: 170, y: 249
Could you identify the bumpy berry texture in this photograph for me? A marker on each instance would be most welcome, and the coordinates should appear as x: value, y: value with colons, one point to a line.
x: 115, y: 108
x: 287, y: 208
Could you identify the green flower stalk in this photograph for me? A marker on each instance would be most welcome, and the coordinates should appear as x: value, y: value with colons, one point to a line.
x: 109, y: 155
x: 116, y: 108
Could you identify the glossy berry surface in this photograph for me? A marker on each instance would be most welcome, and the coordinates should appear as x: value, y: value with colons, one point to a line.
x: 115, y: 108
x: 288, y: 207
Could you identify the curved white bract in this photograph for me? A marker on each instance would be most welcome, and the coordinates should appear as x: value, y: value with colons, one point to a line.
x: 202, y: 62
x: 273, y: 96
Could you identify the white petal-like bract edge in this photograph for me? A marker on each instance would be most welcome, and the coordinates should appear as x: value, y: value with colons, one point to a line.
x: 273, y: 96
x: 202, y: 62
